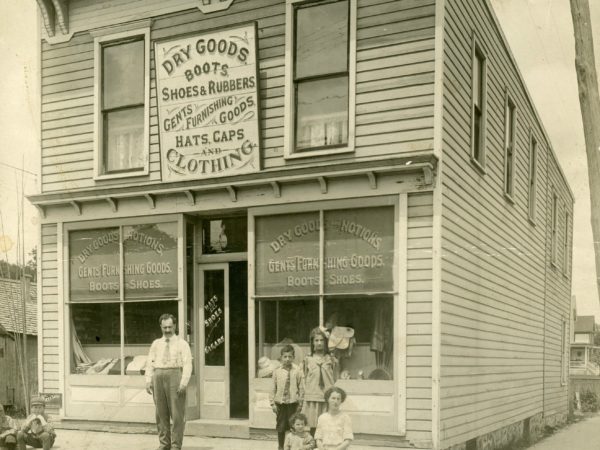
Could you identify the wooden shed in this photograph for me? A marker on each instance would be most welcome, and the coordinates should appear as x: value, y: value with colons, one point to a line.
x: 11, y: 336
x: 261, y: 167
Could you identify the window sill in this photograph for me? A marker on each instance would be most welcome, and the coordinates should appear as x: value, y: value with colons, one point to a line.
x: 322, y: 152
x: 554, y: 265
x: 509, y: 198
x: 113, y: 176
x: 480, y: 167
x: 532, y: 221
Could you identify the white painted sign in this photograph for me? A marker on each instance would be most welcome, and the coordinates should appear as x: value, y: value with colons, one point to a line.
x: 207, y: 93
x: 209, y: 6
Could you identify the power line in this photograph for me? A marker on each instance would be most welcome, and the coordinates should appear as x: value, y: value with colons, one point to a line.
x: 17, y: 168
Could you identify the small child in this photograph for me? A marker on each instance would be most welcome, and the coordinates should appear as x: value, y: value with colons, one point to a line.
x: 8, y: 430
x: 36, y: 431
x: 299, y: 438
x: 287, y: 394
x: 334, y: 428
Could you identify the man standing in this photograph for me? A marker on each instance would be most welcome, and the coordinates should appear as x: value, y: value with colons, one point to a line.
x: 168, y: 372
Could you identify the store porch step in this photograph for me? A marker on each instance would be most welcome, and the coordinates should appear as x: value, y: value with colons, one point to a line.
x: 232, y: 428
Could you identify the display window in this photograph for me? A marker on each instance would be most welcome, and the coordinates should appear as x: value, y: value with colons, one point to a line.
x: 333, y: 269
x: 121, y: 279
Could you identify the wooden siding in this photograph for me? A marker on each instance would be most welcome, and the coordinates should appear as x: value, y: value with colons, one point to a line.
x: 495, y: 262
x: 418, y: 311
x: 394, y: 84
x: 50, y: 298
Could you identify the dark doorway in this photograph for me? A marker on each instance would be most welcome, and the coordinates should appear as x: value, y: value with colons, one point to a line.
x: 238, y: 340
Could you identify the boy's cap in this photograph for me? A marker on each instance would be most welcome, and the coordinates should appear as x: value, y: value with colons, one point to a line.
x: 37, y: 400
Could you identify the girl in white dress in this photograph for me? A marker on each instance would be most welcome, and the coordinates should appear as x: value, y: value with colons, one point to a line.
x: 334, y: 427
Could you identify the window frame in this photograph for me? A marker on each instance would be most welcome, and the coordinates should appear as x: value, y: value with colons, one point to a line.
x: 477, y: 52
x: 532, y: 178
x: 565, y: 353
x: 554, y: 227
x: 290, y: 151
x: 100, y: 41
x: 399, y: 327
x: 566, y: 245
x: 180, y: 299
x: 510, y: 147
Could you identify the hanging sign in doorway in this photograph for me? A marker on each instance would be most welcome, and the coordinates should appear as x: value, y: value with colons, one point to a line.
x: 207, y: 94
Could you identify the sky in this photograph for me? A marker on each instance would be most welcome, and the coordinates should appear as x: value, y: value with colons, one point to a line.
x: 539, y: 32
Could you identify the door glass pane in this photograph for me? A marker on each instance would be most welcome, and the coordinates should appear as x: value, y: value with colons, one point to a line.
x: 123, y: 74
x: 322, y: 113
x: 214, y: 318
x: 124, y: 139
x: 225, y: 235
x: 322, y: 39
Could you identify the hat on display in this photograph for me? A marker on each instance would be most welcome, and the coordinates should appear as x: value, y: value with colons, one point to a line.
x: 37, y: 400
x: 340, y: 338
x: 266, y: 367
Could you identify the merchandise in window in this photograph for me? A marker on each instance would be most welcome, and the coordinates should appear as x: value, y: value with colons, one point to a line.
x: 100, y: 308
x: 123, y: 105
x: 348, y: 293
x: 282, y: 322
x: 321, y: 74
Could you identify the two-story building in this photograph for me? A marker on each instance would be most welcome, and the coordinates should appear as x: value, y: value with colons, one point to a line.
x: 261, y: 167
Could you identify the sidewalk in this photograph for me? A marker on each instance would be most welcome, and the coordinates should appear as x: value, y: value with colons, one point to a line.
x: 93, y: 440
x: 584, y: 435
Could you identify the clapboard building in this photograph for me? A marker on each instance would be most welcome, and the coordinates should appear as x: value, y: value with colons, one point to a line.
x: 260, y: 167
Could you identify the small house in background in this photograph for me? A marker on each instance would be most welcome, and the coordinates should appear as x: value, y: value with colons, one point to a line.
x: 11, y: 339
x: 583, y: 347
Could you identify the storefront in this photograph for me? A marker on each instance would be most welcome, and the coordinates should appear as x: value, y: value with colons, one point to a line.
x: 242, y: 284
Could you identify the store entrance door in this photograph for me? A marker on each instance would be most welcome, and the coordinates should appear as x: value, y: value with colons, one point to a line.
x: 223, y: 359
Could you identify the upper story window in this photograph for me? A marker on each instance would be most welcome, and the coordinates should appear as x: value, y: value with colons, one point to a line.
x: 566, y: 253
x: 479, y: 101
x: 121, y: 104
x: 510, y: 117
x: 554, y: 227
x: 320, y: 77
x: 532, y: 177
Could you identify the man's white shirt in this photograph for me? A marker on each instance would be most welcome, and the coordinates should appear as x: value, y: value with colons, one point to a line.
x: 179, y: 356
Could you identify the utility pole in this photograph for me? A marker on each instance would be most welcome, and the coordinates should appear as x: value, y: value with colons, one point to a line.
x: 25, y: 297
x: 589, y: 101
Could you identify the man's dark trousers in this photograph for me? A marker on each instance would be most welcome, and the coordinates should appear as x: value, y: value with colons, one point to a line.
x: 169, y: 405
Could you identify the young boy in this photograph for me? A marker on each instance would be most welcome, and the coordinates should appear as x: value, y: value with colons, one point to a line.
x: 36, y: 430
x: 8, y: 431
x: 299, y: 438
x: 287, y: 394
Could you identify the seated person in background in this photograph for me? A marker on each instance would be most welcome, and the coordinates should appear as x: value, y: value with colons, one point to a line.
x: 36, y: 430
x: 8, y: 431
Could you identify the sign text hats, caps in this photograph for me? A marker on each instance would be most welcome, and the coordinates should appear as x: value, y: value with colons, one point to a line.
x: 37, y: 400
x: 340, y: 337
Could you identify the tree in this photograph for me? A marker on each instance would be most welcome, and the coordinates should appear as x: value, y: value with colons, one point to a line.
x: 589, y: 101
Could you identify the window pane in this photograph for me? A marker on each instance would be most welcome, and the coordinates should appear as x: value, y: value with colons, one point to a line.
x: 287, y: 254
x: 150, y: 261
x: 214, y: 318
x: 477, y: 79
x: 477, y: 133
x: 283, y: 322
x: 96, y: 339
x: 370, y: 356
x: 322, y: 113
x: 359, y: 250
x: 322, y: 39
x: 94, y: 265
x: 124, y: 139
x: 123, y: 74
x: 141, y: 328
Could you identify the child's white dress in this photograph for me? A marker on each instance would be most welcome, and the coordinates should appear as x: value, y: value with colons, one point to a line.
x: 333, y: 430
